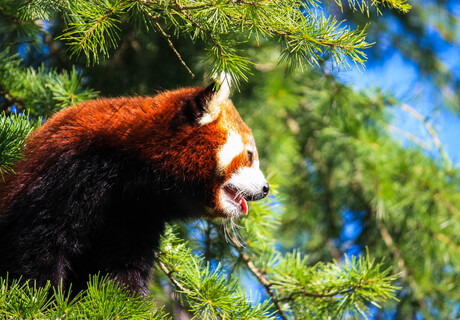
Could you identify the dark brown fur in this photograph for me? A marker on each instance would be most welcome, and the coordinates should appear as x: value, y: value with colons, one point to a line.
x: 98, y: 183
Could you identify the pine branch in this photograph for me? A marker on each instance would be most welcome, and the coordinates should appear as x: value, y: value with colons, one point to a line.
x: 40, y: 91
x: 394, y: 250
x: 306, y: 36
x: 296, y: 288
x: 93, y: 28
x: 411, y: 137
x: 169, y: 273
x: 430, y: 130
x: 364, y: 5
x: 208, y: 34
x: 260, y: 276
x: 16, y: 43
x: 103, y: 299
x: 13, y: 131
x: 208, y: 293
x: 173, y: 48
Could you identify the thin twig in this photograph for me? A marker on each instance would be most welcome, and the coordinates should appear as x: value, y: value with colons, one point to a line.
x: 15, y: 43
x: 392, y: 246
x: 210, y: 4
x: 9, y: 17
x: 430, y: 130
x: 167, y: 37
x: 258, y: 274
x: 398, y: 255
x: 386, y: 236
x: 94, y: 26
x: 171, y: 45
x: 410, y: 137
x: 304, y: 292
x: 268, y: 285
x: 199, y: 26
x: 169, y: 273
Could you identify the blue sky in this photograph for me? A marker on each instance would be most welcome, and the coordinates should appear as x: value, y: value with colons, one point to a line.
x: 402, y: 79
x: 396, y: 75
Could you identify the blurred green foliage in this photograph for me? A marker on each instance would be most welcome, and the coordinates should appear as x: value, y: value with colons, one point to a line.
x: 331, y: 152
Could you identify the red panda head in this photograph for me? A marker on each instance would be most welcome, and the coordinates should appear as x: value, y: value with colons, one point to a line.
x: 237, y: 158
x: 212, y: 146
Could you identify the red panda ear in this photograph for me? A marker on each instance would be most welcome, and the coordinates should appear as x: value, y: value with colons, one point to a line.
x: 214, y: 105
x: 203, y: 106
x: 210, y: 89
x: 192, y: 107
x: 203, y: 97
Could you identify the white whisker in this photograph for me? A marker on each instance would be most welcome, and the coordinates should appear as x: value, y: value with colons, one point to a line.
x: 231, y: 231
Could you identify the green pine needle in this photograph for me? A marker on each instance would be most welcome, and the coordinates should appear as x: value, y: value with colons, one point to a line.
x: 103, y: 299
x: 41, y: 90
x: 13, y: 132
x: 307, y: 37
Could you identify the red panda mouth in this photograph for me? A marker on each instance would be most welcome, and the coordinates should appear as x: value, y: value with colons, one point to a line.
x: 237, y: 198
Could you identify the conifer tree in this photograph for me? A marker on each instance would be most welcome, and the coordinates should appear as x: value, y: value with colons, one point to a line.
x: 331, y: 157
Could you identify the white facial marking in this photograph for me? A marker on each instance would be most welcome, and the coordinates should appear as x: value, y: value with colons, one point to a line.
x: 248, y: 181
x: 228, y: 206
x: 233, y: 147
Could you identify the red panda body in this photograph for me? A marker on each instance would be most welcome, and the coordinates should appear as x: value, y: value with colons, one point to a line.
x: 99, y: 181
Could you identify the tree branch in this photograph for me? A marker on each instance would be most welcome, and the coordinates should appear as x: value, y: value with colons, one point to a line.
x: 167, y: 38
x: 8, y: 17
x: 169, y: 273
x: 93, y: 27
x: 430, y: 130
x: 260, y: 276
x: 207, y: 5
x: 15, y: 43
x: 304, y: 292
x: 171, y: 45
x: 199, y: 26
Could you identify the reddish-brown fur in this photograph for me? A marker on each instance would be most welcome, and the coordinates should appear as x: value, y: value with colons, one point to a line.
x: 99, y: 180
x: 142, y: 126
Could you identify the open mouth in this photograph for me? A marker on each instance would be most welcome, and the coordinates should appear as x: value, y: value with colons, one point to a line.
x: 236, y: 198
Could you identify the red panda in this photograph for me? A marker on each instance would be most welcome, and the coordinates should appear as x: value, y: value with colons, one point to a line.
x: 99, y: 181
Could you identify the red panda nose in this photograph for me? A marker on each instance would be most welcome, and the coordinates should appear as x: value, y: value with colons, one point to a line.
x: 260, y: 194
x: 265, y: 189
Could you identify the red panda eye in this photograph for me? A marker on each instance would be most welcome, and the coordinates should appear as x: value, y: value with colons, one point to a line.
x: 250, y: 156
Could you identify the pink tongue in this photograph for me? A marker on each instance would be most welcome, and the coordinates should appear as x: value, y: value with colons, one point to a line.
x: 244, y: 205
